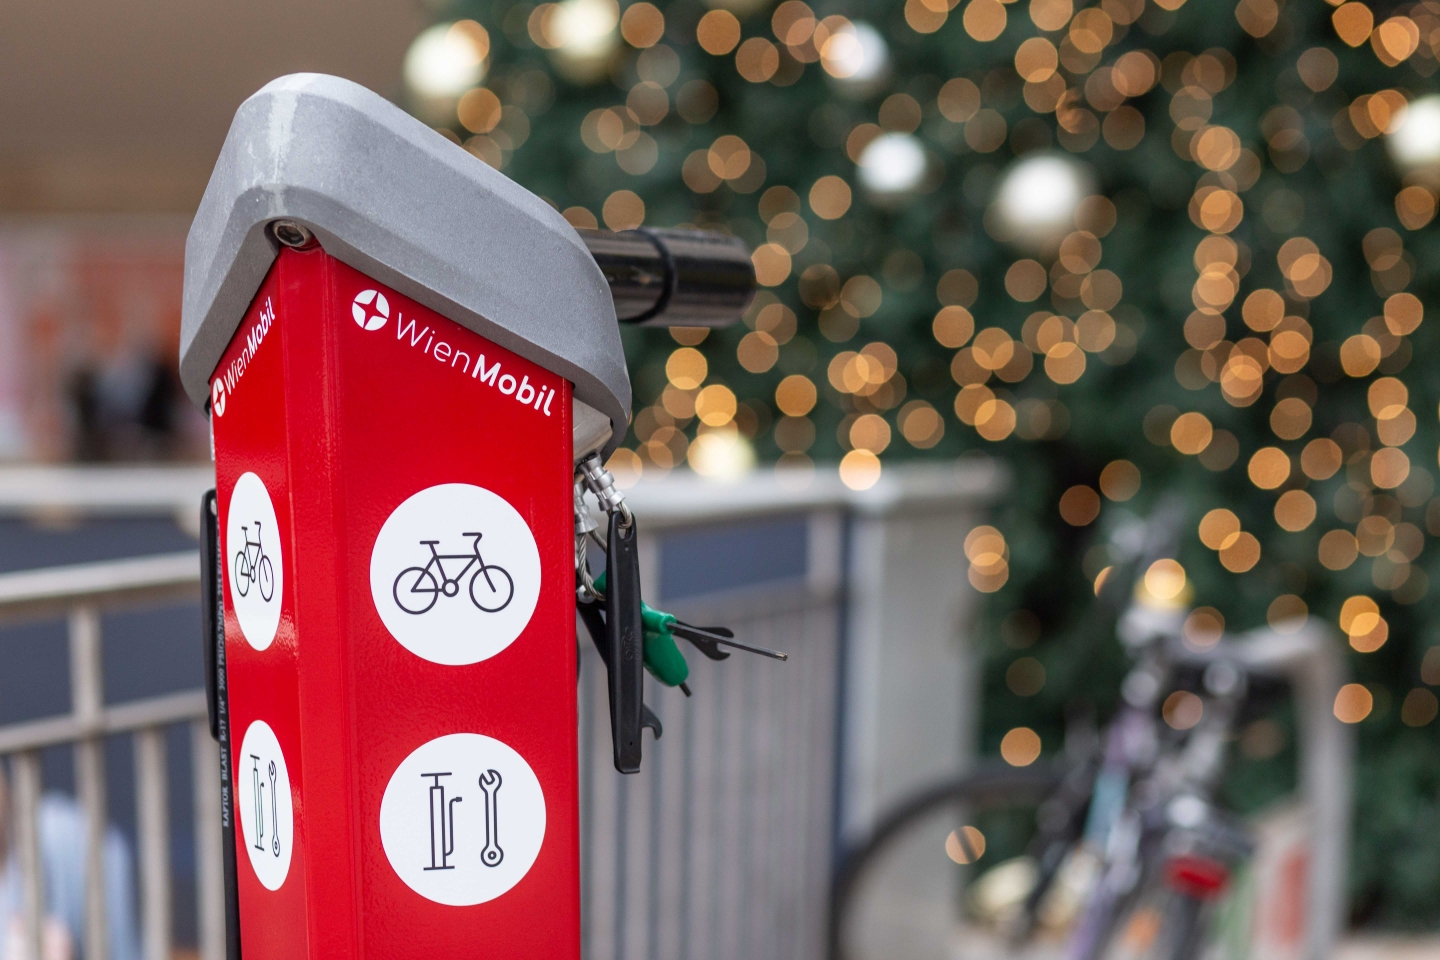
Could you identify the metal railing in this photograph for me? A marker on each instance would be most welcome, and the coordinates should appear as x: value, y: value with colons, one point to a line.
x: 81, y: 594
x: 721, y: 847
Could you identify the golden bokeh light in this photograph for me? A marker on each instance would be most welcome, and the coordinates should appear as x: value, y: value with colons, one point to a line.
x: 796, y: 395
x: 920, y: 424
x: 1295, y: 510
x: 953, y: 326
x: 1353, y: 703
x: 1389, y: 468
x: 1263, y: 310
x: 966, y: 850
x: 1020, y: 747
x: 1359, y: 355
x: 830, y: 197
x: 686, y: 368
x: 1036, y: 60
x: 1025, y: 280
x: 1269, y: 467
x: 1403, y: 313
x: 757, y: 351
x: 757, y: 60
x: 995, y: 419
x: 1204, y: 627
x: 1165, y: 579
x: 1338, y: 549
x: 1191, y: 433
x: 984, y: 19
x: 1120, y: 480
x: 772, y: 264
x: 870, y: 432
x: 718, y: 32
x: 1079, y: 505
x: 1182, y: 710
x: 860, y: 470
x: 1290, y: 420
x: 1287, y: 613
x: 1241, y: 554
x: 993, y: 348
x: 643, y: 25
x: 715, y: 405
x: 623, y: 210
x: 1219, y: 528
x: 1065, y: 362
x: 1321, y: 459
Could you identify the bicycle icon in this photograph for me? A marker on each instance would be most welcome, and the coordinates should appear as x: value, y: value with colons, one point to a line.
x: 417, y: 589
x: 252, y: 566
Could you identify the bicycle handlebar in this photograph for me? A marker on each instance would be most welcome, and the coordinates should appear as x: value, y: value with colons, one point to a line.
x: 674, y: 278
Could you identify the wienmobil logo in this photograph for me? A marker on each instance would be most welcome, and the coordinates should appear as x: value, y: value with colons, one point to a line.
x: 217, y: 397
x: 370, y: 309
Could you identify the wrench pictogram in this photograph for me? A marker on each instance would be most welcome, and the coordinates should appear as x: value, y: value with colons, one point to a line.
x: 490, y: 786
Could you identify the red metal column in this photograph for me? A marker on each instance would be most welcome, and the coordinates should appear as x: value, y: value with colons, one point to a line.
x: 395, y: 511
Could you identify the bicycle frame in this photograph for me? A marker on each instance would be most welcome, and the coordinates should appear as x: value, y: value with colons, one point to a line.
x: 437, y: 560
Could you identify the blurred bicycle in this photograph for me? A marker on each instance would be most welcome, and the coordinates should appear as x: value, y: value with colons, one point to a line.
x: 1129, y: 854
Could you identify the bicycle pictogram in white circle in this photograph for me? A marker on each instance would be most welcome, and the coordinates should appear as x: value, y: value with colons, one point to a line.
x: 417, y: 589
x: 455, y: 573
x: 370, y: 309
x: 254, y: 560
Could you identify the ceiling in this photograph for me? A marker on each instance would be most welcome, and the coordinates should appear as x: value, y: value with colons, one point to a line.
x: 122, y: 107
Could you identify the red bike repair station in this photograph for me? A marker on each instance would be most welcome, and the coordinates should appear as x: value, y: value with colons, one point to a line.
x: 413, y: 371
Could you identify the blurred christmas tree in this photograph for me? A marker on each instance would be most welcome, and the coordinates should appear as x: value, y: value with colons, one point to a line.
x: 1139, y: 248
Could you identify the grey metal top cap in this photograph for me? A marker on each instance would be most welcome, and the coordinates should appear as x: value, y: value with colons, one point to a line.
x: 397, y: 201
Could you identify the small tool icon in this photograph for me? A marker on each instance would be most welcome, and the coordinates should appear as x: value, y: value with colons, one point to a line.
x: 490, y: 786
x: 442, y: 823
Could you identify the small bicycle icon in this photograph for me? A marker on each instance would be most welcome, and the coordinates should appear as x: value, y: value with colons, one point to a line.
x: 417, y: 589
x: 252, y: 565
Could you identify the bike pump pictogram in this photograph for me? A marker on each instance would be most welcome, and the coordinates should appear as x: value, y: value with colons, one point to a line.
x: 407, y: 423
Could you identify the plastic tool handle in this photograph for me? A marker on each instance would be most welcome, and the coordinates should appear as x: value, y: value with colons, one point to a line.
x: 662, y: 657
x: 674, y: 278
x: 624, y: 627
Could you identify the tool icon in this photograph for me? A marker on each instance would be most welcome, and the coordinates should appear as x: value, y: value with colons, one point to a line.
x: 442, y: 823
x: 274, y: 814
x: 490, y: 782
x: 258, y: 786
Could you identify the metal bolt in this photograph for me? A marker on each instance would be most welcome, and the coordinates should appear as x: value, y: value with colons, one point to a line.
x: 291, y: 234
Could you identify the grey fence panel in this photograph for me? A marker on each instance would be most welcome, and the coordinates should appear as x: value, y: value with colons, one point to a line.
x: 720, y: 847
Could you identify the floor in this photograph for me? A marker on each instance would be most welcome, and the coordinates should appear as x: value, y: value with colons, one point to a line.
x: 1389, y: 948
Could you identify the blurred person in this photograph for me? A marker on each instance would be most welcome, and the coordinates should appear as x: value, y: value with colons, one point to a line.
x: 62, y: 865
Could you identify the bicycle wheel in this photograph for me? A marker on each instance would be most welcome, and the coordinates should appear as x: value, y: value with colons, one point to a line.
x: 415, y: 590
x: 266, y: 576
x: 243, y: 574
x: 901, y: 895
x: 491, y: 589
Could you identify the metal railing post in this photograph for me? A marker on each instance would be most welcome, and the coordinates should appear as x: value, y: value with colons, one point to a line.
x: 87, y: 699
x: 26, y: 769
x: 152, y: 803
x: 209, y: 854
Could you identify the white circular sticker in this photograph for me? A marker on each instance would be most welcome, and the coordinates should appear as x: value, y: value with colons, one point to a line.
x: 262, y: 786
x: 253, y: 559
x: 463, y: 819
x: 455, y: 574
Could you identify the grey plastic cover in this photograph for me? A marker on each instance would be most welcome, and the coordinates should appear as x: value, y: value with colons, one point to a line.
x: 397, y: 201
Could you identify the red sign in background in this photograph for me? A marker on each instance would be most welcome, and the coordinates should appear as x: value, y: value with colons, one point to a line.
x: 347, y: 402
